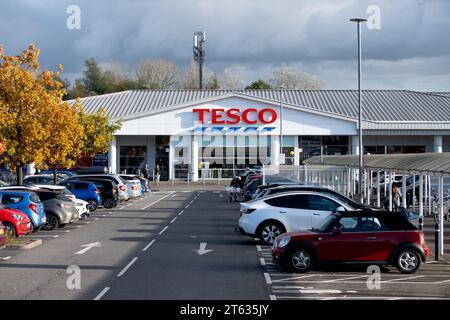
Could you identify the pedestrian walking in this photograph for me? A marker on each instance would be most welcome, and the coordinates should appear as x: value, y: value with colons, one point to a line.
x: 158, y: 174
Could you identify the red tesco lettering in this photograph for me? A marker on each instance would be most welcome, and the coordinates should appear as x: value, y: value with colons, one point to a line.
x: 235, y: 116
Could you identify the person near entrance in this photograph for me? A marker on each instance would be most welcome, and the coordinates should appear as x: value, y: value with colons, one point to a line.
x: 157, y: 174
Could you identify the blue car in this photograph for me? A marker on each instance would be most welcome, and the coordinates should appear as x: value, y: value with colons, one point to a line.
x: 27, y: 202
x: 86, y: 191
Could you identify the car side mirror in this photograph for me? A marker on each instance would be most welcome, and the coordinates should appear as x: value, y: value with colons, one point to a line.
x: 337, y: 232
x: 340, y: 209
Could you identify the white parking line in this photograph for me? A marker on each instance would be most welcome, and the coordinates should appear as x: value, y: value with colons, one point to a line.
x: 181, y: 212
x: 445, y: 281
x: 5, y: 258
x: 67, y: 231
x: 273, y: 297
x: 173, y: 220
x: 343, y: 279
x: 294, y: 278
x: 43, y: 236
x: 149, y: 245
x: 262, y: 261
x: 162, y: 231
x: 186, y: 207
x: 267, y: 277
x: 102, y: 293
x: 127, y: 267
x: 320, y: 291
x: 258, y: 248
x: 157, y: 201
x: 403, y: 279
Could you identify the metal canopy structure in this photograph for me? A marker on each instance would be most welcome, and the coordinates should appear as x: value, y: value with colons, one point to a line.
x: 422, y: 164
x: 429, y: 163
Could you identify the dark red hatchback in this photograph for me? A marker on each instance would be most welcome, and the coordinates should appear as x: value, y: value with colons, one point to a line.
x: 359, y: 237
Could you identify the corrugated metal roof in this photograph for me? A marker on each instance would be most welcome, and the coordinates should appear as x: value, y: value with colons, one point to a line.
x: 378, y: 105
x: 434, y: 163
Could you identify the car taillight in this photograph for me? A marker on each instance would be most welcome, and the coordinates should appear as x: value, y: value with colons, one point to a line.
x: 133, y: 188
x: 97, y: 191
x: 33, y: 207
x: 113, y: 190
x: 422, y: 240
x: 122, y: 188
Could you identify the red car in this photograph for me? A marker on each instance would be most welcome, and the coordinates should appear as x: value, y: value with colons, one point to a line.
x: 3, y: 236
x: 359, y: 237
x: 15, y: 221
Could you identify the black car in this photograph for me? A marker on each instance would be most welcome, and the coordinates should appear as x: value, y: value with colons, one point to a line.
x: 109, y: 191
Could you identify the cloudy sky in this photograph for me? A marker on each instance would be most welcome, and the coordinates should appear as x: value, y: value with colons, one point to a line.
x: 411, y: 50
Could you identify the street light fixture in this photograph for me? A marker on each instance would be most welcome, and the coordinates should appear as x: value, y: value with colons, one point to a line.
x: 199, y: 53
x: 361, y: 150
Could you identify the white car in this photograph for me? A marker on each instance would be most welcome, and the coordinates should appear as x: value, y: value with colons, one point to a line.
x: 266, y: 218
x: 134, y: 185
x: 82, y: 208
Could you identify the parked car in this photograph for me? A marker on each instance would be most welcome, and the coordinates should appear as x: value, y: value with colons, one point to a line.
x: 59, y: 209
x: 288, y: 188
x: 145, y: 184
x: 60, y: 189
x: 109, y: 191
x: 358, y: 237
x: 82, y: 208
x: 86, y: 191
x: 15, y: 221
x: 134, y: 184
x: 121, y: 184
x: 40, y: 179
x: 3, y: 236
x: 4, y: 183
x: 26, y: 201
x: 269, y: 217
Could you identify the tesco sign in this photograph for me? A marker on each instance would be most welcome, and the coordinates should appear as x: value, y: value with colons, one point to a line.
x: 236, y: 116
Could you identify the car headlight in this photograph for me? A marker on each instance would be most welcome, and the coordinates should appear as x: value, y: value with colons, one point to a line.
x: 284, y: 241
x: 17, y: 217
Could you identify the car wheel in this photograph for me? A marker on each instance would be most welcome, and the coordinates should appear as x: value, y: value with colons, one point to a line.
x: 301, y: 260
x: 109, y: 203
x: 10, y: 230
x: 52, y: 222
x: 92, y: 205
x: 270, y: 230
x: 408, y: 261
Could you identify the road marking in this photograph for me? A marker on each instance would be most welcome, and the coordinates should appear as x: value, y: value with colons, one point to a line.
x: 402, y: 279
x: 5, y: 258
x: 319, y: 291
x: 294, y: 278
x: 343, y: 279
x: 362, y: 298
x: 445, y: 281
x: 95, y: 219
x: 202, y: 250
x: 191, y: 201
x: 186, y: 207
x: 267, y: 277
x: 162, y: 231
x: 43, y: 236
x: 87, y: 222
x: 181, y: 212
x: 273, y: 297
x: 157, y: 201
x: 258, y: 248
x: 88, y: 247
x: 127, y: 267
x: 67, y: 231
x: 149, y: 245
x: 262, y: 261
x: 79, y: 226
x: 173, y: 220
x: 102, y: 293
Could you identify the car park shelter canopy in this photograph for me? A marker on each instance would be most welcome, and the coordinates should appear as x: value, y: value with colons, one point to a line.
x: 431, y: 163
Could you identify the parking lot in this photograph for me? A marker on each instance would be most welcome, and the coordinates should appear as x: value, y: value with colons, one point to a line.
x: 181, y: 244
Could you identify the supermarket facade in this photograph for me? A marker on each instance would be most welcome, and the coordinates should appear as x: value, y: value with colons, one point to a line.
x: 187, y: 131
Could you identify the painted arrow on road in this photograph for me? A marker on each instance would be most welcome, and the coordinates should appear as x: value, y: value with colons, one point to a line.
x: 88, y: 247
x: 202, y: 249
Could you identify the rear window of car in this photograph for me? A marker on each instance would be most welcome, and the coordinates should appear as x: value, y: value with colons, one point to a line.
x: 34, y: 197
x: 291, y: 201
x: 44, y: 196
x: 11, y: 198
x: 81, y: 186
x: 397, y: 222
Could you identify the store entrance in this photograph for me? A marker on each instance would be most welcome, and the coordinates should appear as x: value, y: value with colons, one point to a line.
x: 162, y: 155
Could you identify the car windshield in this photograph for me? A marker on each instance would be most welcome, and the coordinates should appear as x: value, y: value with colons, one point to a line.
x: 326, y: 224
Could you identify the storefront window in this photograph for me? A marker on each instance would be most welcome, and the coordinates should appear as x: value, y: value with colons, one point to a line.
x: 132, y: 158
x: 311, y: 146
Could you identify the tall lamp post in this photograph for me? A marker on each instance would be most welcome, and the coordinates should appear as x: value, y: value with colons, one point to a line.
x: 361, y: 150
x: 282, y: 87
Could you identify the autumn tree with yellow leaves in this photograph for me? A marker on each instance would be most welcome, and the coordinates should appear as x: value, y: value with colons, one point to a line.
x: 36, y: 126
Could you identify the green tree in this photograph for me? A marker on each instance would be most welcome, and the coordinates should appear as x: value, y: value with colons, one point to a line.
x: 258, y: 85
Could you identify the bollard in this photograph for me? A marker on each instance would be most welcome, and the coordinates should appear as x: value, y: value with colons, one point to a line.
x: 437, y: 231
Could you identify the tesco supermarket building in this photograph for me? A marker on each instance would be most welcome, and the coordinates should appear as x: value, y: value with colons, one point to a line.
x: 185, y: 131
